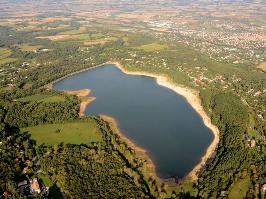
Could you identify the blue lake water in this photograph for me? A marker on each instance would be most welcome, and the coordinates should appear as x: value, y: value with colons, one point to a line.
x: 153, y: 116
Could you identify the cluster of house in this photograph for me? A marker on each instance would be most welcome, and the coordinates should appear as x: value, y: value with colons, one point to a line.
x: 31, y: 187
x: 250, y: 141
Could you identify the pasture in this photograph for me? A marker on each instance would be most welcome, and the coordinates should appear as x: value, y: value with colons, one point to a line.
x: 75, y: 132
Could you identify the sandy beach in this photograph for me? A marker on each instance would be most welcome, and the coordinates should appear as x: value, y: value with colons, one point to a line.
x: 79, y: 93
x: 85, y: 100
x: 84, y: 104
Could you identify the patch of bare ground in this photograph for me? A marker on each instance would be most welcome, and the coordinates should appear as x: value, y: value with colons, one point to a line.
x: 262, y: 66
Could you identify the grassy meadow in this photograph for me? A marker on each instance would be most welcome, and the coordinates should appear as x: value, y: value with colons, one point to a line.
x: 152, y: 47
x: 29, y: 48
x: 5, y: 58
x: 79, y: 132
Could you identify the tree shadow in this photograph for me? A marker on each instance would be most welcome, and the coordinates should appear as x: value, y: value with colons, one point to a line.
x: 54, y: 192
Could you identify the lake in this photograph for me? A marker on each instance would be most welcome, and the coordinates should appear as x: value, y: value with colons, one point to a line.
x: 152, y: 116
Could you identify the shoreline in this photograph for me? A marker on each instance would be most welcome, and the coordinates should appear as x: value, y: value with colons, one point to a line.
x: 190, y: 95
x: 78, y: 93
x: 84, y: 104
x: 144, y: 154
x: 85, y: 99
x: 51, y: 84
x: 149, y: 168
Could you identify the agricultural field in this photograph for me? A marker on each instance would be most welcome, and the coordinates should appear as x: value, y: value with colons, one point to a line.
x: 79, y: 132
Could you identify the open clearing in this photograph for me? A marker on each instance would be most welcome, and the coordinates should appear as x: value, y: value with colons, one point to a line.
x: 152, y: 47
x: 29, y: 48
x: 239, y: 188
x: 5, y: 54
x: 42, y: 98
x: 66, y: 37
x: 262, y: 66
x: 74, y: 32
x: 99, y: 41
x: 46, y: 180
x: 76, y: 132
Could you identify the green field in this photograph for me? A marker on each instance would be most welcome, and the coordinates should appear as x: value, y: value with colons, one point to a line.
x: 97, y: 36
x: 80, y: 132
x: 254, y: 134
x: 29, y: 48
x: 46, y: 180
x: 74, y: 31
x: 43, y: 98
x: 239, y: 188
x: 152, y: 47
x: 5, y: 54
x: 99, y: 41
x: 7, y: 60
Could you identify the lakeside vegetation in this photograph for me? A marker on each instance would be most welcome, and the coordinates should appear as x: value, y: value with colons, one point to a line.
x: 42, y: 98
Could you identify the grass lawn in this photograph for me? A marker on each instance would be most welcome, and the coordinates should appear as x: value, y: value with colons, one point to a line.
x: 78, y: 132
x: 46, y: 180
x: 152, y: 47
x: 239, y: 188
x: 43, y: 98
x: 255, y: 134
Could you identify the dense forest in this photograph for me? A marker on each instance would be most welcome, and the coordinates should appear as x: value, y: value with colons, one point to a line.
x: 233, y: 158
x: 103, y: 169
x: 22, y: 114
